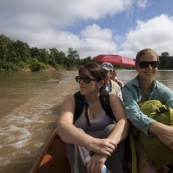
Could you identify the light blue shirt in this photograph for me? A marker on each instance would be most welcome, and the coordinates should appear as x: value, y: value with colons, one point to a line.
x: 132, y: 96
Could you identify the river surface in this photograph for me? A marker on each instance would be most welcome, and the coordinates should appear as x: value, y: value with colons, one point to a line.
x: 29, y: 107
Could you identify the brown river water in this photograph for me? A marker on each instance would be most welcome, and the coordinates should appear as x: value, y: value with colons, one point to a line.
x: 29, y: 107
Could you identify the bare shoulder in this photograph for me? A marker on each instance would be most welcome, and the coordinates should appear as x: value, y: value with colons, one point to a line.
x: 69, y: 98
x: 67, y: 109
x: 113, y: 96
x: 116, y: 106
x: 114, y: 100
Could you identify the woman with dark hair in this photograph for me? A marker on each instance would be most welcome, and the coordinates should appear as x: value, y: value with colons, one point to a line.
x: 94, y: 132
x: 142, y: 88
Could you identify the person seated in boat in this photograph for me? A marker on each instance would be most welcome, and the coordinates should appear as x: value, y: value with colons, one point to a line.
x: 111, y: 85
x: 94, y: 133
x: 114, y: 78
x: 140, y: 89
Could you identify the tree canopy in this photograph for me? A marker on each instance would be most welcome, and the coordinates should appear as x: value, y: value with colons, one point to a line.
x: 17, y: 55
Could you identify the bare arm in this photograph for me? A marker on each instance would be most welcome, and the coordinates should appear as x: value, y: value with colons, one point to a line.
x: 163, y: 132
x: 70, y: 134
x: 118, y: 134
x: 123, y: 126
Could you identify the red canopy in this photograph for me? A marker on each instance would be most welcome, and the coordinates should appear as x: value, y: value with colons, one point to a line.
x: 115, y: 59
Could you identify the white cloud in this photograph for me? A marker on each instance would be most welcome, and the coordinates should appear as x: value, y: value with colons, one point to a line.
x: 63, y: 12
x: 46, y: 24
x: 156, y: 33
x: 93, y: 47
x: 94, y: 31
x: 43, y: 23
x: 142, y: 3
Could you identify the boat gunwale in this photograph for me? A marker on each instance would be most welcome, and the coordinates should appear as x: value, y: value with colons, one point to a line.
x: 39, y: 159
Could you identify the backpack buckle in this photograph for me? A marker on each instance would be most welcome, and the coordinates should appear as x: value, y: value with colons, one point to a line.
x: 161, y: 109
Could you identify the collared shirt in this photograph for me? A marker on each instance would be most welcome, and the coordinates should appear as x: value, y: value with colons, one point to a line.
x: 132, y: 96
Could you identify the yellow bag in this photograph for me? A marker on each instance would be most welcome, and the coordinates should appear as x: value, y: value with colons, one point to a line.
x: 158, y: 152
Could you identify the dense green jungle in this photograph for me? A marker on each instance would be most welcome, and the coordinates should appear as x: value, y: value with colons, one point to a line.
x: 19, y: 56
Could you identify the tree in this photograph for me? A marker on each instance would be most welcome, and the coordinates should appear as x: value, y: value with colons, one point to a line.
x: 11, y: 55
x: 72, y: 57
x: 163, y: 59
x: 57, y: 57
x: 169, y: 63
x: 22, y: 51
x: 35, y: 52
x: 37, y: 65
x: 44, y: 56
x: 4, y: 41
x: 85, y: 60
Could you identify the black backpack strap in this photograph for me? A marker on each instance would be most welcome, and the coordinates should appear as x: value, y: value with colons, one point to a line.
x: 105, y: 103
x: 79, y: 104
x: 86, y: 113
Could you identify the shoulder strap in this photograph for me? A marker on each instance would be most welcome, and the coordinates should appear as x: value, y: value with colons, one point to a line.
x: 79, y: 104
x: 104, y: 100
x: 105, y: 103
x: 171, y: 116
x: 134, y: 168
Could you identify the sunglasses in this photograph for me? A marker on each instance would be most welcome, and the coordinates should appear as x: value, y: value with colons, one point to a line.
x: 145, y: 64
x: 86, y: 79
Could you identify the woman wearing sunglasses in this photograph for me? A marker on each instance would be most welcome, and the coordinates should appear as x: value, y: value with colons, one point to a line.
x: 140, y: 89
x: 101, y: 139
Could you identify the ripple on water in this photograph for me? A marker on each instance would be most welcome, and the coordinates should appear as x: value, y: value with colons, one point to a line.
x: 24, y: 130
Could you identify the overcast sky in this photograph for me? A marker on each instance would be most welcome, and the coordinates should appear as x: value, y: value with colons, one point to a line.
x: 91, y: 27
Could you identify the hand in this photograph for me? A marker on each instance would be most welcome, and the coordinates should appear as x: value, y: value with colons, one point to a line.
x: 96, y: 163
x: 166, y: 136
x: 163, y: 132
x: 103, y: 146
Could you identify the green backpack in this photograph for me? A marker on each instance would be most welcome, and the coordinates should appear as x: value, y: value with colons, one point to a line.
x: 158, y: 152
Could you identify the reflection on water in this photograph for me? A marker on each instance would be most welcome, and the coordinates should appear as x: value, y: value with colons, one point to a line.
x: 30, y: 104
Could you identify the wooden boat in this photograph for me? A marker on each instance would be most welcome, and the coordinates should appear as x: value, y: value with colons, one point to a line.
x: 52, y: 159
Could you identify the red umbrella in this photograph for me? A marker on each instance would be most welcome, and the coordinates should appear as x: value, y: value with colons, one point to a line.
x: 115, y: 59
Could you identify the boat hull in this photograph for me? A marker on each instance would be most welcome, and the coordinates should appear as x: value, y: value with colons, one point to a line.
x: 52, y: 158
